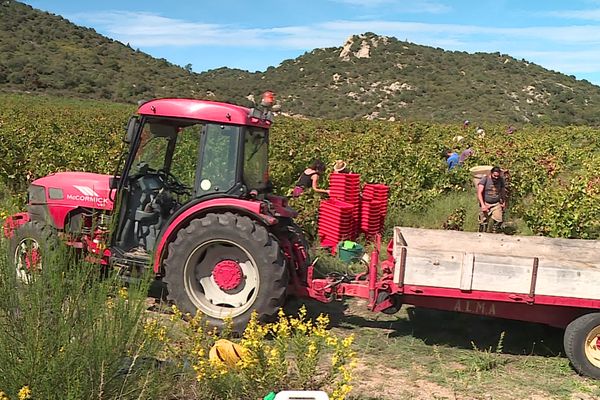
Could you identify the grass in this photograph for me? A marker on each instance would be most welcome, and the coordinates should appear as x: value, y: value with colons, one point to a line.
x: 456, y: 208
x: 437, y: 212
x: 428, y: 354
x: 67, y: 334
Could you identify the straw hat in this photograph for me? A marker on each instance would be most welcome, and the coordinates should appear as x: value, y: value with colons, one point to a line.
x: 339, y: 165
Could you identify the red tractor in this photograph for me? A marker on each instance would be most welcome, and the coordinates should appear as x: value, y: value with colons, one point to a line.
x: 192, y: 201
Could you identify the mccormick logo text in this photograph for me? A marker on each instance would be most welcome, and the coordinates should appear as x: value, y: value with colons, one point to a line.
x: 88, y: 195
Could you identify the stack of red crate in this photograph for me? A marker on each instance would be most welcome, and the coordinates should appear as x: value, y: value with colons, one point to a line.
x: 373, y: 208
x: 346, y: 187
x: 335, y: 222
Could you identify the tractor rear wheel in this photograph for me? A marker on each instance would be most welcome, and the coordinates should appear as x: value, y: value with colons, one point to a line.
x: 582, y: 344
x: 226, y: 266
x: 28, y: 247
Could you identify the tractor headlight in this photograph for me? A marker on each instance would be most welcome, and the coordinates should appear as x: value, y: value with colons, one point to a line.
x: 36, y: 194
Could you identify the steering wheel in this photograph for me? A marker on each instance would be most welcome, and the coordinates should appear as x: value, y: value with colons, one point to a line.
x: 169, y: 180
x: 172, y: 183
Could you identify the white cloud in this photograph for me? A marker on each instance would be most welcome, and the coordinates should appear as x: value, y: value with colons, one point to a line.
x: 415, y: 6
x: 590, y: 15
x: 569, y: 49
x: 569, y: 62
x: 150, y: 30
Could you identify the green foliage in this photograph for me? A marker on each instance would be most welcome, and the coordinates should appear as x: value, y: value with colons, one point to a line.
x: 456, y: 220
x: 568, y: 209
x: 487, y: 359
x: 292, y: 353
x: 41, y: 135
x: 552, y: 171
x: 66, y: 335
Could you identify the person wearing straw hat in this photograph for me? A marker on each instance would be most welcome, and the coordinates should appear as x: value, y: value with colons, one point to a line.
x: 340, y: 166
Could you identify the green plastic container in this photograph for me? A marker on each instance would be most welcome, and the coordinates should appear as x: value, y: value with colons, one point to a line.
x: 349, y: 251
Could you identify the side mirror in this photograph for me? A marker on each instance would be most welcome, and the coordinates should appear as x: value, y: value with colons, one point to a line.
x: 113, y: 182
x: 132, y: 126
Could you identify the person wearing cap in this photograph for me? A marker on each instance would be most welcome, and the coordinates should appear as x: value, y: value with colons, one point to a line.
x: 340, y: 167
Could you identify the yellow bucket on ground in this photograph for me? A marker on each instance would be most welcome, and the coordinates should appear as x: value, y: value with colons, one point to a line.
x: 226, y: 352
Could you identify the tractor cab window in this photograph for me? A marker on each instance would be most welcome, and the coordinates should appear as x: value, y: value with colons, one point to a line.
x: 218, y: 167
x: 185, y: 157
x: 256, y: 158
x: 154, y: 144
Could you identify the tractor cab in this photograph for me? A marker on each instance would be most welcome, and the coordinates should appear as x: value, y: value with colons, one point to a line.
x: 183, y: 152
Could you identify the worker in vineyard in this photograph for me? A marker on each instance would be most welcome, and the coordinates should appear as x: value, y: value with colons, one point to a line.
x: 480, y: 132
x: 451, y: 158
x: 340, y: 167
x: 310, y: 179
x: 491, y: 193
x: 466, y: 153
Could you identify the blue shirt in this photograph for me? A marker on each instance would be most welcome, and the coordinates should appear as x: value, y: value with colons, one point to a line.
x: 452, y: 161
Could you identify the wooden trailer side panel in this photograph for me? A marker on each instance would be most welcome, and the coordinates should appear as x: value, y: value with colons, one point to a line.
x: 568, y: 279
x: 584, y: 251
x: 502, y: 273
x: 497, y: 263
x: 466, y: 271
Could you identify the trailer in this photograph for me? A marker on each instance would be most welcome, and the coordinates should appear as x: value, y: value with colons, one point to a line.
x: 535, y: 279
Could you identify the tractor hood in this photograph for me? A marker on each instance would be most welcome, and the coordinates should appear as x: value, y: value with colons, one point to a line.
x: 75, y: 189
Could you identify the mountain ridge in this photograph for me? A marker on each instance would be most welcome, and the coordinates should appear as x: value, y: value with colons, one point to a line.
x: 369, y: 76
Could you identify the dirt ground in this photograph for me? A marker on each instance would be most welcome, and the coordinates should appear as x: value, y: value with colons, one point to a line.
x: 432, y: 355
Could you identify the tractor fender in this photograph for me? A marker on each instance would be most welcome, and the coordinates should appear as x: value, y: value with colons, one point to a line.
x: 13, y: 222
x: 252, y: 209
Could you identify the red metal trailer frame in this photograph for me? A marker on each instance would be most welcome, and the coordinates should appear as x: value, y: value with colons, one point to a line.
x: 377, y: 286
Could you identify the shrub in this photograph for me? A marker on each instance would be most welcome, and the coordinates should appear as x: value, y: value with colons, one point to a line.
x: 293, y: 353
x: 68, y: 335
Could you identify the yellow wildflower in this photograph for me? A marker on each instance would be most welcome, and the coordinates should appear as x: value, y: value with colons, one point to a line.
x: 3, y: 396
x: 177, y: 314
x: 123, y: 293
x: 312, y: 349
x: 347, y: 342
x: 110, y: 304
x: 24, y: 393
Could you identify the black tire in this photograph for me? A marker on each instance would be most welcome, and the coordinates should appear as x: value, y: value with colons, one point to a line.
x: 191, y: 276
x: 33, y: 236
x: 582, y: 344
x: 396, y: 303
x: 297, y: 235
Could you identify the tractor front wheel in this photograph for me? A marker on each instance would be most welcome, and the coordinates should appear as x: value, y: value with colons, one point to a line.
x: 226, y: 266
x: 28, y: 246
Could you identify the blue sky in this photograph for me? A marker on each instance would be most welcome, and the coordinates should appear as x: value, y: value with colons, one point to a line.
x: 559, y: 35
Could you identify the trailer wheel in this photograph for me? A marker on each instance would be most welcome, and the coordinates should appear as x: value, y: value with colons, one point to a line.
x: 226, y: 266
x: 582, y: 344
x: 28, y: 246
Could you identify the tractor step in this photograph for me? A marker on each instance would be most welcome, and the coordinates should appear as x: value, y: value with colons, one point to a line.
x: 134, y: 259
